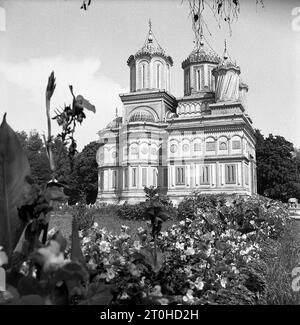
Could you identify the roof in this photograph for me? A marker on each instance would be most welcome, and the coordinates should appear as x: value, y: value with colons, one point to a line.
x: 115, y: 123
x: 201, y: 54
x: 150, y: 48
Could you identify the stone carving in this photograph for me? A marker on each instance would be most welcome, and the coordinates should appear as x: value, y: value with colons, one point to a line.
x: 173, y: 148
x: 185, y: 147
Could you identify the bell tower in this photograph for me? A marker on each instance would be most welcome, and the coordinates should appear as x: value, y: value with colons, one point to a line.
x: 150, y: 66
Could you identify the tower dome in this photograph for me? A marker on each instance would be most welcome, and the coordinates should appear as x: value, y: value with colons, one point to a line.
x: 198, y: 68
x: 227, y: 79
x: 150, y: 66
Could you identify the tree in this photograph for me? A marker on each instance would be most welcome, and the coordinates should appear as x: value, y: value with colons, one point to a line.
x: 35, y: 151
x: 277, y: 175
x: 85, y: 174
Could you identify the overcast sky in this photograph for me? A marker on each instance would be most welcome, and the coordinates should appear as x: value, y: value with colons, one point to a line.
x: 89, y: 50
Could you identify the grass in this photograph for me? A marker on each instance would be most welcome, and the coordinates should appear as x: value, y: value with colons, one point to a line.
x: 284, y: 255
x: 63, y: 222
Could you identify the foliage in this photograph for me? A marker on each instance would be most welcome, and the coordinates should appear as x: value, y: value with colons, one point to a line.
x: 139, y: 211
x: 37, y: 270
x: 85, y: 173
x: 83, y: 215
x: 67, y: 119
x: 14, y: 169
x: 199, y: 261
x: 277, y: 176
x: 36, y: 153
x: 281, y: 257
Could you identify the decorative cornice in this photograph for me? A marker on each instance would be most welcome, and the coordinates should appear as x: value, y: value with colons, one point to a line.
x: 151, y: 94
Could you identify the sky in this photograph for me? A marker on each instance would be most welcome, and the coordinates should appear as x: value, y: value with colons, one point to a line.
x: 89, y: 50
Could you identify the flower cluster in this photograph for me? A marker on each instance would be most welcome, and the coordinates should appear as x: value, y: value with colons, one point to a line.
x: 210, y: 258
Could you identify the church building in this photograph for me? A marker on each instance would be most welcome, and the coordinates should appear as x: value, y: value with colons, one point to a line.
x: 202, y: 141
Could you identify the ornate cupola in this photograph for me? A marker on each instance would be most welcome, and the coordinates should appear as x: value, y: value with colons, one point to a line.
x: 228, y: 80
x: 150, y: 66
x: 198, y: 68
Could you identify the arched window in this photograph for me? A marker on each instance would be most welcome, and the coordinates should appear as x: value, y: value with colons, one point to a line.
x: 198, y: 79
x: 158, y: 72
x: 143, y: 75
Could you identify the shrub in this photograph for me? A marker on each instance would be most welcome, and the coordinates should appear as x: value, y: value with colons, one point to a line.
x: 138, y: 211
x: 84, y: 215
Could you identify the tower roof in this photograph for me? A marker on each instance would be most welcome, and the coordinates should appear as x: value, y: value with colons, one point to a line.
x: 150, y: 48
x: 201, y: 53
x: 226, y: 62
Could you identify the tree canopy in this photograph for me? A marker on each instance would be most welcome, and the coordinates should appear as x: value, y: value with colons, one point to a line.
x: 277, y: 167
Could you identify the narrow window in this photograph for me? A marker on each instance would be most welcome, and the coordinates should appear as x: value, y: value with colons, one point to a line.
x: 101, y: 180
x: 126, y: 177
x: 154, y: 178
x: 144, y: 176
x: 205, y: 175
x: 157, y: 76
x: 143, y: 76
x: 180, y: 175
x: 134, y: 177
x: 114, y: 179
x: 198, y: 80
x: 230, y: 174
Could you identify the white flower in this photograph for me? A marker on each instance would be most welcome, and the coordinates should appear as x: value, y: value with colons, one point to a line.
x: 86, y: 240
x: 104, y: 246
x: 223, y: 282
x: 142, y: 282
x: 199, y: 284
x: 188, y: 296
x: 182, y: 223
x: 52, y: 257
x: 156, y: 291
x: 137, y: 245
x: 95, y: 225
x: 208, y: 252
x: 252, y: 222
x: 190, y: 251
x: 110, y: 274
x: 179, y: 246
x: 124, y: 295
x: 122, y: 260
x: 51, y: 232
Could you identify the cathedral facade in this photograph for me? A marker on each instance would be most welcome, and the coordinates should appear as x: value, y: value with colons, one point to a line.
x: 202, y: 141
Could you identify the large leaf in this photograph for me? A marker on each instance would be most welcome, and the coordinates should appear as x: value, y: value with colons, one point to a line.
x: 84, y: 103
x: 14, y: 168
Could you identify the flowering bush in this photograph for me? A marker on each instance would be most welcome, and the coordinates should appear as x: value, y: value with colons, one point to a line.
x: 216, y: 258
